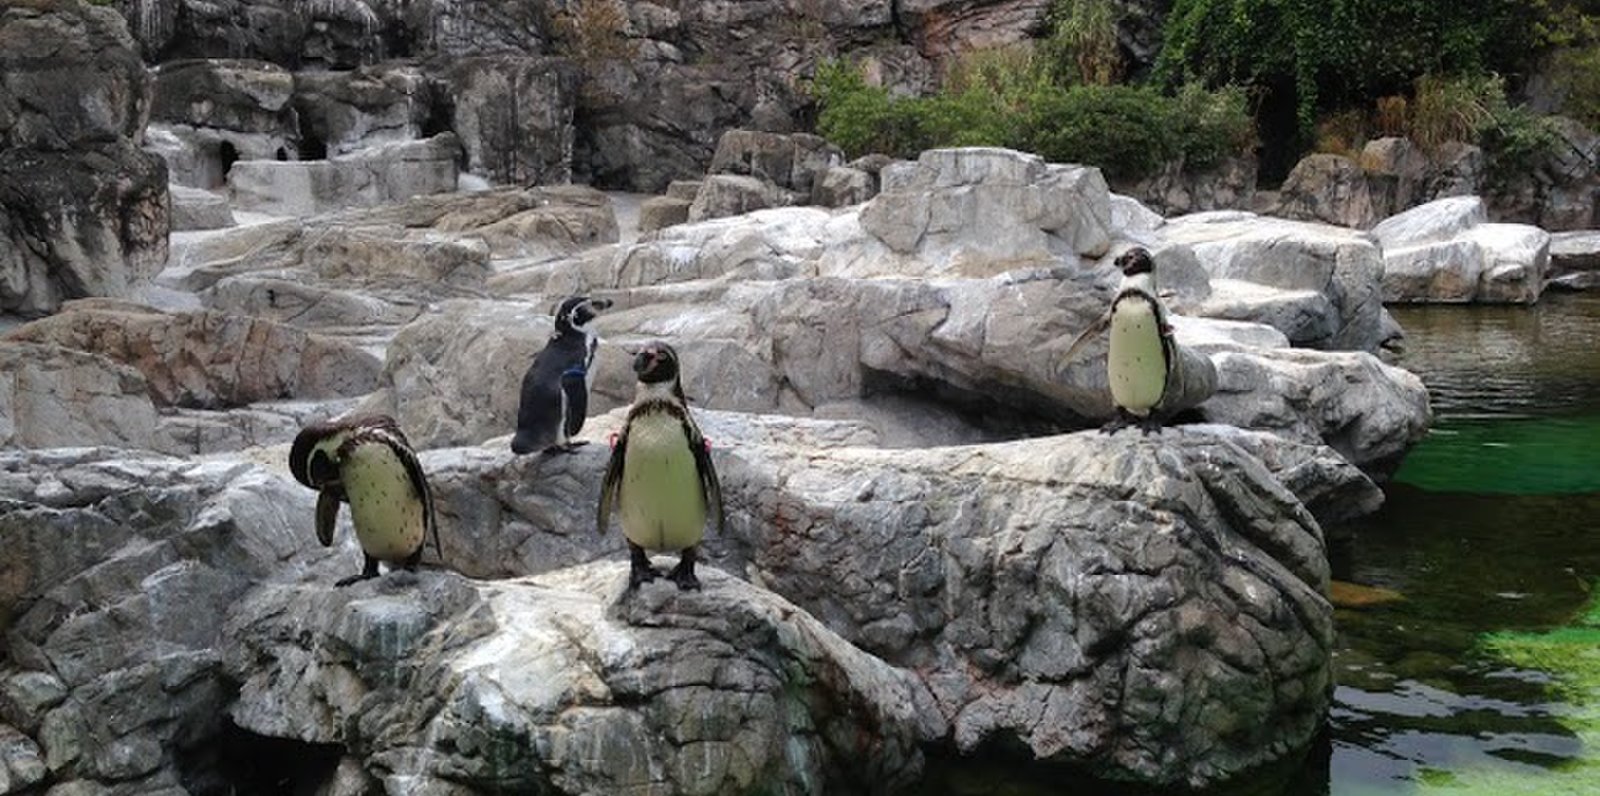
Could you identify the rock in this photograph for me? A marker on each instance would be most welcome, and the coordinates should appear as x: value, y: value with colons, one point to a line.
x: 1370, y: 412
x: 951, y: 561
x: 1130, y: 217
x: 1332, y: 189
x: 978, y: 212
x: 383, y: 174
x: 943, y: 28
x: 1575, y: 259
x: 553, y: 684
x: 842, y: 186
x: 514, y: 115
x: 1456, y: 169
x: 794, y: 162
x: 25, y: 696
x: 1341, y: 265
x: 241, y: 96
x: 1396, y: 169
x: 1176, y: 190
x: 355, y: 255
x: 200, y: 432
x: 306, y: 306
x: 683, y: 189
x: 1516, y: 257
x: 724, y: 195
x: 1439, y: 220
x: 342, y: 112
x: 21, y: 764
x: 53, y: 397
x: 208, y: 359
x: 83, y: 211
x: 659, y: 212
x: 1443, y: 272
x: 193, y: 208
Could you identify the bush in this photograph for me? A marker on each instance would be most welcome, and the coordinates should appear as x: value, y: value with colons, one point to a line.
x: 1128, y: 132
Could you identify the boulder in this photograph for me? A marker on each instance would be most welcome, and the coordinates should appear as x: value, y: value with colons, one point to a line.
x: 1516, y: 257
x: 193, y: 208
x: 1438, y: 272
x: 555, y: 684
x: 242, y: 96
x: 1575, y: 259
x: 514, y: 115
x: 1022, y: 581
x: 794, y: 161
x: 842, y: 186
x: 347, y: 111
x: 121, y: 571
x: 53, y: 397
x: 978, y: 212
x: 1439, y: 220
x: 1176, y: 190
x: 1331, y: 189
x: 659, y: 212
x: 208, y: 359
x: 382, y: 174
x: 945, y: 28
x: 83, y: 211
x: 1342, y: 265
x: 1443, y: 251
x: 723, y: 195
x: 1455, y: 169
x: 1396, y: 169
x: 309, y: 307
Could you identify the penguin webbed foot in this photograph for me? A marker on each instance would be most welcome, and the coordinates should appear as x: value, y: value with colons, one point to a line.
x: 1150, y: 425
x: 641, y: 571
x: 368, y: 572
x: 683, y: 573
x: 571, y: 446
x: 1118, y: 423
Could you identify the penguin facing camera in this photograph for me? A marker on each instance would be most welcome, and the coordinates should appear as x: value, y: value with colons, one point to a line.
x: 555, y: 391
x: 660, y: 476
x: 367, y: 462
x: 1142, y: 361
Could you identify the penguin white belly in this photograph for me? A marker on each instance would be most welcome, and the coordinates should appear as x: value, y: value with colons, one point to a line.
x: 385, y: 507
x: 662, y: 505
x: 1136, y: 365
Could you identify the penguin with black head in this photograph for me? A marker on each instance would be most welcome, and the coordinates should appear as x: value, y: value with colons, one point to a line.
x: 555, y: 390
x: 660, y: 477
x: 1142, y: 356
x: 367, y: 462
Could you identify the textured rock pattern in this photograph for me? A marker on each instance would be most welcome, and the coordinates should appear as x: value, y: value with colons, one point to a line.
x: 1444, y: 251
x: 52, y: 397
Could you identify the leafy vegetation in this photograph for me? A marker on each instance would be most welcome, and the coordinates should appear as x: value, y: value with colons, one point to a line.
x: 1010, y: 99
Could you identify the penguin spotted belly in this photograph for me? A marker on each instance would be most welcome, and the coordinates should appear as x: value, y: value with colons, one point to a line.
x: 384, y: 506
x: 662, y: 505
x: 1136, y: 365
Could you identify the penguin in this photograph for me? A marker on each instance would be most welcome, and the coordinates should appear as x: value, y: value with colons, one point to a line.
x: 1142, y: 355
x: 555, y: 390
x: 660, y: 476
x: 367, y: 462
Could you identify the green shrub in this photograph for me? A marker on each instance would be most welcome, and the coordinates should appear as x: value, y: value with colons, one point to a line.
x: 1083, y: 40
x: 1577, y: 72
x: 1128, y: 132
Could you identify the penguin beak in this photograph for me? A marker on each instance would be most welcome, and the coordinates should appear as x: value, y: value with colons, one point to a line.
x: 645, y: 361
x: 600, y: 303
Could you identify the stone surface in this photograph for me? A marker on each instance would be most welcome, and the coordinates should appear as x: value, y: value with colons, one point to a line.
x: 514, y: 116
x: 1331, y: 189
x: 1516, y: 257
x: 723, y: 195
x: 193, y: 208
x: 243, y: 96
x: 208, y: 359
x: 554, y: 684
x: 1439, y: 220
x: 794, y: 162
x: 346, y: 111
x: 379, y: 175
x: 1575, y: 259
x: 83, y: 211
x: 53, y: 397
x: 659, y: 212
x: 1174, y: 190
x: 1444, y: 251
x: 1341, y: 265
x: 842, y: 186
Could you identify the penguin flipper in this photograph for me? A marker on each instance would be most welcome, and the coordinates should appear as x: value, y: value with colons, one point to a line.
x: 575, y: 388
x: 612, y: 485
x: 328, y: 500
x: 1093, y: 330
x: 710, y: 485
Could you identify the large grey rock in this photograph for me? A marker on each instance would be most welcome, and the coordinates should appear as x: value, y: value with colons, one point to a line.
x: 379, y: 175
x: 345, y: 111
x: 52, y: 397
x: 1332, y: 189
x: 243, y: 96
x: 208, y: 359
x: 1176, y: 190
x: 112, y: 601
x: 83, y: 211
x: 1516, y: 257
x: 1575, y: 259
x: 1341, y: 265
x: 514, y: 115
x: 841, y: 186
x: 1444, y: 251
x: 722, y: 195
x: 978, y: 212
x: 555, y: 684
x: 794, y: 162
x: 1439, y: 220
x: 1021, y: 581
x: 659, y: 212
x: 193, y: 208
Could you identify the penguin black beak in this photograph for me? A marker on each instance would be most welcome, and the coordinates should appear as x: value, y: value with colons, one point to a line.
x: 645, y: 360
x: 600, y: 303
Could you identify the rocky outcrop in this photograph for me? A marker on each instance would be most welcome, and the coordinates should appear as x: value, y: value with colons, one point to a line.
x: 1444, y: 251
x: 1177, y: 190
x: 208, y: 359
x: 515, y: 117
x: 53, y: 397
x: 1575, y: 260
x: 341, y: 112
x: 557, y: 684
x: 379, y: 175
x: 193, y: 208
x: 1331, y: 189
x: 83, y: 211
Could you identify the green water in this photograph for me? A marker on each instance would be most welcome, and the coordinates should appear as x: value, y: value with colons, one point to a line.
x: 1492, y: 527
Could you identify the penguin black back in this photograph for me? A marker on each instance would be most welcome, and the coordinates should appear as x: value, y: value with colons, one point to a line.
x: 555, y: 389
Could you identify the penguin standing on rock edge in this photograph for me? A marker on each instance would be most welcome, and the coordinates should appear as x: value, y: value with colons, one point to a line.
x: 660, y: 476
x: 555, y: 390
x: 1142, y: 355
x: 368, y: 463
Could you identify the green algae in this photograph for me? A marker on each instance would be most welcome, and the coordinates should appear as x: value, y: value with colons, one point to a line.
x: 1544, y: 456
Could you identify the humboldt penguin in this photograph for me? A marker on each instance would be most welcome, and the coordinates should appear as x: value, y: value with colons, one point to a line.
x: 1141, y: 357
x: 660, y: 475
x: 367, y: 462
x: 555, y: 390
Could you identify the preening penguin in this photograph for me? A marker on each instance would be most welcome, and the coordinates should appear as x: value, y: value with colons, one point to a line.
x: 368, y: 463
x: 660, y: 475
x: 555, y: 390
x: 1142, y: 359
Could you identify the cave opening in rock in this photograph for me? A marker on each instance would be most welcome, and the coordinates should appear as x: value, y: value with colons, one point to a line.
x: 227, y: 155
x: 233, y: 761
x: 312, y: 147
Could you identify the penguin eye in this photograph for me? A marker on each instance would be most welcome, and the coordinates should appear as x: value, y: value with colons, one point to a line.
x: 320, y: 469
